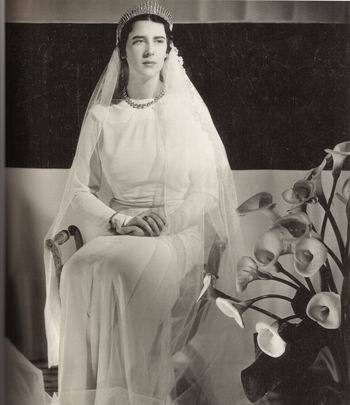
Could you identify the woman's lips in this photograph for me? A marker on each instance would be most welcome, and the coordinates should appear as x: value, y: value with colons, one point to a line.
x: 149, y: 63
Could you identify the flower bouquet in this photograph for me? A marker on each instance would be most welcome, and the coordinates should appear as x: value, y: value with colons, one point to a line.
x: 304, y: 355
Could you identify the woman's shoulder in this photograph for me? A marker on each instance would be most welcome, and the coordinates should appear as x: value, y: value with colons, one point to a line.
x: 113, y: 112
x: 176, y: 105
x: 99, y: 112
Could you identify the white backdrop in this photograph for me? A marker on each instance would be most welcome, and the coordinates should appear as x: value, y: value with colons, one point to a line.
x: 32, y: 198
x: 184, y: 11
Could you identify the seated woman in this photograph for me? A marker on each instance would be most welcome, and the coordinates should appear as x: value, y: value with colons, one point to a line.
x: 151, y: 177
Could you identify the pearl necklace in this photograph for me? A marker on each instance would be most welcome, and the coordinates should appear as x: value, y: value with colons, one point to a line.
x: 143, y: 105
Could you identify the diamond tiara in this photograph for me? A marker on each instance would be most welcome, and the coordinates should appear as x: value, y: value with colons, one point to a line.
x: 147, y: 7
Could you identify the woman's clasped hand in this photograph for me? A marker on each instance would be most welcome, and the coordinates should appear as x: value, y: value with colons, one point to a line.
x: 149, y: 223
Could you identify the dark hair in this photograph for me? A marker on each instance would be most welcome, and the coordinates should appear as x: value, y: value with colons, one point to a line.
x: 143, y: 17
x: 124, y: 71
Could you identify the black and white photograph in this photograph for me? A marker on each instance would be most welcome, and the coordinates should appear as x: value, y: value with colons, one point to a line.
x: 176, y: 202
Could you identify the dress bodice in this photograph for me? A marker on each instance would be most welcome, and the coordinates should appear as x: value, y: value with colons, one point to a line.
x: 137, y: 159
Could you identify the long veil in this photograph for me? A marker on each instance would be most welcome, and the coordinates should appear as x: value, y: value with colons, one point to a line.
x: 196, y: 346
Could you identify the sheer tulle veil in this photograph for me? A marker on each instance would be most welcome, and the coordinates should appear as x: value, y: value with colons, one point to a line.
x: 180, y: 111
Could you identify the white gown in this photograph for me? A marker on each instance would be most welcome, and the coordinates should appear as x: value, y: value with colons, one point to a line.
x: 123, y: 304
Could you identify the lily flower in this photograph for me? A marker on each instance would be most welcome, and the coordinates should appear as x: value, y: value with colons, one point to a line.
x: 339, y: 154
x: 280, y: 239
x: 345, y: 193
x: 303, y: 191
x: 208, y: 280
x: 296, y: 225
x: 346, y: 189
x: 318, y: 170
x: 206, y: 284
x: 248, y: 271
x: 269, y: 340
x: 230, y: 306
x: 325, y: 309
x: 319, y: 190
x: 269, y: 247
x: 259, y: 202
x: 231, y: 309
x: 310, y: 254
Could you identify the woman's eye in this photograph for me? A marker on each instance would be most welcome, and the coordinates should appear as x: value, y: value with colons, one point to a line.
x: 138, y: 41
x: 160, y: 41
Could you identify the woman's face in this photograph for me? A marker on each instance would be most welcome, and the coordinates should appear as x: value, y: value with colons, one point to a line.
x: 146, y: 49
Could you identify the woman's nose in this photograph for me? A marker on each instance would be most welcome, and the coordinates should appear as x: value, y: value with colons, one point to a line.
x: 149, y: 50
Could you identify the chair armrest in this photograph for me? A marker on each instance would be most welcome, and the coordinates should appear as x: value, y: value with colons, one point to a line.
x: 78, y: 238
x: 59, y: 239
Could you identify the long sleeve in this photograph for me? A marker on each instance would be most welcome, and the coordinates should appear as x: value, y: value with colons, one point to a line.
x: 86, y: 199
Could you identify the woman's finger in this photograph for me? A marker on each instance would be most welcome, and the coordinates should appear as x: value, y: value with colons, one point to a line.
x: 143, y: 224
x: 153, y: 224
x: 160, y: 217
x: 155, y: 218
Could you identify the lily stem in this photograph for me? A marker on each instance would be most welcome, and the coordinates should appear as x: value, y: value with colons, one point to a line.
x: 334, y: 257
x: 329, y: 215
x: 280, y: 269
x: 309, y: 284
x: 337, y: 234
x: 347, y: 245
x: 263, y: 297
x: 328, y: 205
x: 330, y: 279
x: 326, y: 276
x: 282, y: 280
x: 265, y: 312
x: 289, y: 318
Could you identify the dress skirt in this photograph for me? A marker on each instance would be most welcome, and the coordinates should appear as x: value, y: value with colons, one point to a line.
x: 119, y: 329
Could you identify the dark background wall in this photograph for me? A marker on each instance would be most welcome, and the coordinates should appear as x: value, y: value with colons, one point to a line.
x: 278, y: 93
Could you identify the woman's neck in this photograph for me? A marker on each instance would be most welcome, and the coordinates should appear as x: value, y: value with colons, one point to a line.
x: 138, y: 89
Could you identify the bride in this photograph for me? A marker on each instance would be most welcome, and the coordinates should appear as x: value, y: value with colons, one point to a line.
x: 151, y: 180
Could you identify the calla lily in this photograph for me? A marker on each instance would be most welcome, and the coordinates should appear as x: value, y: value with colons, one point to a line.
x: 269, y: 247
x: 319, y: 190
x: 269, y: 340
x: 302, y: 192
x: 324, y: 308
x: 259, y: 202
x: 315, y: 235
x: 346, y: 189
x: 310, y: 254
x: 248, y: 271
x: 339, y: 154
x: 297, y: 226
x: 206, y: 283
x: 315, y: 175
x: 230, y: 306
x: 345, y: 194
x: 296, y: 209
x: 318, y: 170
x: 231, y: 309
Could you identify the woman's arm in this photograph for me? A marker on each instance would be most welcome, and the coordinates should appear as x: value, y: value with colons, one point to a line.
x: 88, y: 176
x: 87, y: 202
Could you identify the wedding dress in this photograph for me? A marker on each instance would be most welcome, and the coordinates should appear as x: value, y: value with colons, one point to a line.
x: 119, y: 320
x: 118, y: 291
